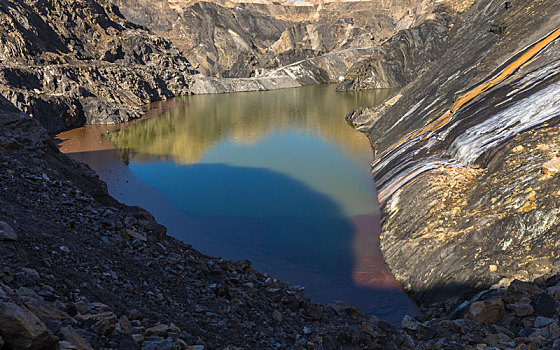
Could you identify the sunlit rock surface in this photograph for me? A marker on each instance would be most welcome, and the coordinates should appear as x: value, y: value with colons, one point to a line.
x: 460, y: 152
x: 247, y: 38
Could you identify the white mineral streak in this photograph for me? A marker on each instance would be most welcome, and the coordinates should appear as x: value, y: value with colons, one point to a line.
x: 520, y: 116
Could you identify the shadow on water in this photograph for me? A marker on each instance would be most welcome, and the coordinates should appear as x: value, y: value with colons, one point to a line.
x: 304, y: 238
x: 276, y: 177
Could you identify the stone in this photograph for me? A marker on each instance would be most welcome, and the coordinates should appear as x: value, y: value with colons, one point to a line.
x: 46, y: 294
x: 314, y: 311
x: 163, y: 344
x: 496, y: 339
x: 21, y: 329
x: 522, y: 307
x: 124, y: 324
x: 518, y: 289
x: 552, y: 290
x: 159, y: 330
x: 31, y: 272
x: 551, y: 330
x: 7, y: 233
x: 138, y: 235
x: 70, y: 335
x: 66, y: 345
x: 138, y: 338
x: 551, y: 167
x: 544, y: 304
x: 409, y: 323
x: 81, y: 307
x: 277, y: 316
x: 105, y: 325
x: 196, y: 347
x: 425, y: 333
x: 542, y: 321
x: 487, y: 312
x: 1, y: 342
x: 341, y: 307
x: 135, y: 314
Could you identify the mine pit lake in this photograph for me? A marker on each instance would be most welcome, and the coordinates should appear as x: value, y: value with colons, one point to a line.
x: 277, y: 177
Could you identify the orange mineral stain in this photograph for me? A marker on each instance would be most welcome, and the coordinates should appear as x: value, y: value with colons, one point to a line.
x: 467, y: 97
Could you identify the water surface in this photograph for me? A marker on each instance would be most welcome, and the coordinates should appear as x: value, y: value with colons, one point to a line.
x: 276, y: 177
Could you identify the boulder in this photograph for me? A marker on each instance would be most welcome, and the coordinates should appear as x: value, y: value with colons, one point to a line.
x: 163, y: 344
x: 518, y: 289
x: 72, y: 337
x: 522, y: 307
x: 21, y: 329
x: 487, y: 312
x: 544, y: 304
x: 315, y: 312
x: 542, y: 321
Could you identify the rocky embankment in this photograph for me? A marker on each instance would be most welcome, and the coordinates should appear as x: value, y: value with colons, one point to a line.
x: 407, y: 54
x: 466, y: 154
x: 96, y: 68
x: 81, y: 271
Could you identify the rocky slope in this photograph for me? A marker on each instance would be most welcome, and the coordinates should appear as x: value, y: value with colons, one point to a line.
x: 466, y: 154
x: 101, y: 68
x: 402, y: 58
x: 243, y: 39
x: 407, y: 54
x: 96, y: 68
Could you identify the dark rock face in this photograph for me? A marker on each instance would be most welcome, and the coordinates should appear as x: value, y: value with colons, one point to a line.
x: 96, y: 68
x: 67, y: 96
x: 465, y: 202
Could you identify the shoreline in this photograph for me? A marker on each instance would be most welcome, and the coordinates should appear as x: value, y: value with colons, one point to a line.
x: 90, y: 139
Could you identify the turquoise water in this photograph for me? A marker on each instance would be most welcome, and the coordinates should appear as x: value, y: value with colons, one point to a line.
x: 276, y: 177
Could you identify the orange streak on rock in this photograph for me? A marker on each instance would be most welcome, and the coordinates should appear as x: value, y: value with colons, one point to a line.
x: 467, y: 97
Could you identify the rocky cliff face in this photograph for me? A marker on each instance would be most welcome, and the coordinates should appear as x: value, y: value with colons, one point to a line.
x: 466, y: 154
x: 402, y: 58
x: 96, y: 68
x: 243, y: 39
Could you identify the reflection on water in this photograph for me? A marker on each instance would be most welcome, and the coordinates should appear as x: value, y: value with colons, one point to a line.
x: 184, y: 134
x: 297, y: 132
x: 276, y: 177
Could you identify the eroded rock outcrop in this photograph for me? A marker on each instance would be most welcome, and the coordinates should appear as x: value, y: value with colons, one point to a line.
x: 96, y: 68
x: 402, y: 58
x: 464, y: 201
x: 244, y: 38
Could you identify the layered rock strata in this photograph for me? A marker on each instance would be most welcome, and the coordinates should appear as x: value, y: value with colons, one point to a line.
x: 460, y: 151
